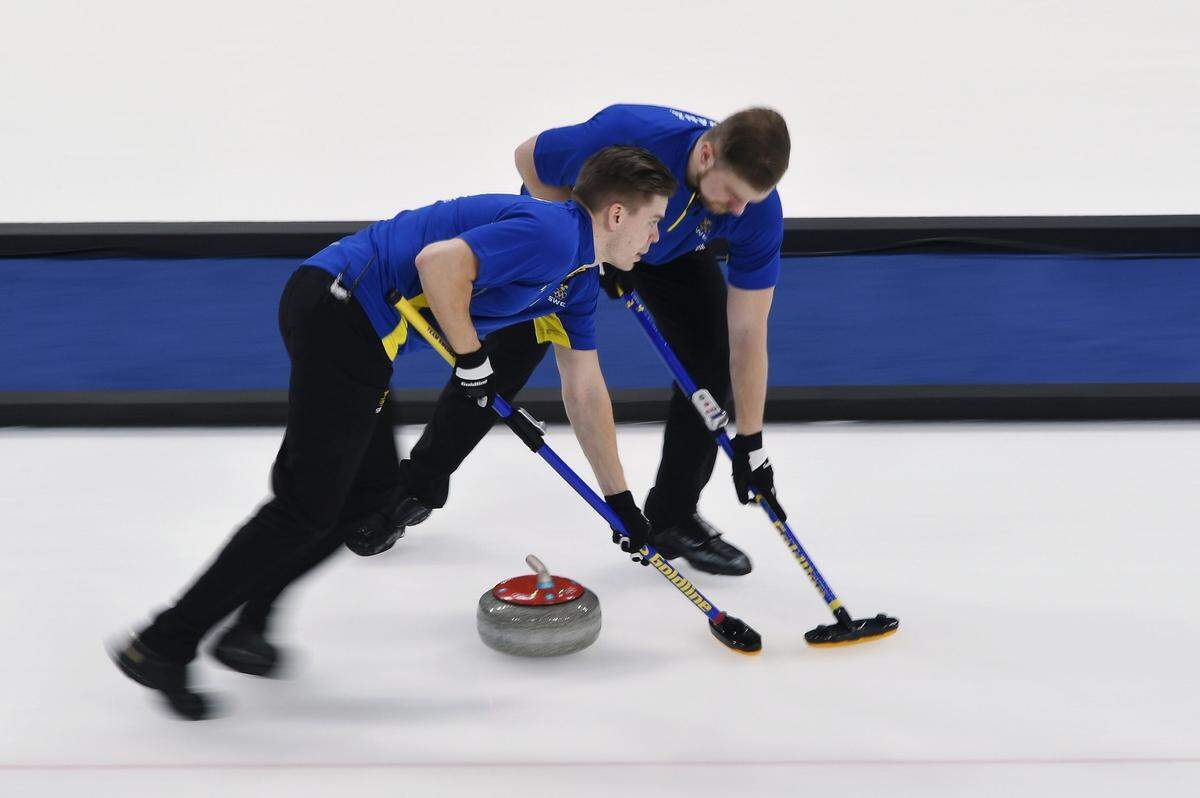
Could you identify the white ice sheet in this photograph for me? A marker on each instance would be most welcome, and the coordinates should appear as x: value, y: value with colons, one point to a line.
x: 1045, y: 577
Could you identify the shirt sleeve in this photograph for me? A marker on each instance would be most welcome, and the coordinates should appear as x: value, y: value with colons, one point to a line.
x: 560, y: 152
x: 520, y: 248
x: 579, y: 316
x: 755, y: 245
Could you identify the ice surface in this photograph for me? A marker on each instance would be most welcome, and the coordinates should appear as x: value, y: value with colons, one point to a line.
x: 1045, y: 577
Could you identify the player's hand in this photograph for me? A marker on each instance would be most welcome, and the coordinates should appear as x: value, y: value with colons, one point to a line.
x: 752, y: 472
x: 614, y: 281
x: 637, y: 528
x: 474, y: 376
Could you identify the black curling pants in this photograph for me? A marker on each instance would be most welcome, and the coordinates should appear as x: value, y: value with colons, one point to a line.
x: 687, y: 297
x: 337, y: 463
x: 517, y: 355
x: 458, y: 424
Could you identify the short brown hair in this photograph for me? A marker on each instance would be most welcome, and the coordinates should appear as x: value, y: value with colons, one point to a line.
x: 754, y: 144
x: 628, y: 175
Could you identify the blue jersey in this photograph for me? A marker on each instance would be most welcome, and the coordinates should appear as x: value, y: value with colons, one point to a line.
x: 532, y: 265
x: 754, y: 237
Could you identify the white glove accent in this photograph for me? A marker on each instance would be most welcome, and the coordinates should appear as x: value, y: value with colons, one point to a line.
x: 480, y: 372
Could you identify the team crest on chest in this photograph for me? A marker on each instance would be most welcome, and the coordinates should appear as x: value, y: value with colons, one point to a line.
x: 703, y: 230
x: 559, y: 297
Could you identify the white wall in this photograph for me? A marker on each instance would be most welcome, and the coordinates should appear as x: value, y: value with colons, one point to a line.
x: 352, y: 109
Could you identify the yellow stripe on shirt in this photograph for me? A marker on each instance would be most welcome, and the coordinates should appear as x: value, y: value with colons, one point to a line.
x: 675, y: 224
x: 549, y: 329
x: 399, y: 334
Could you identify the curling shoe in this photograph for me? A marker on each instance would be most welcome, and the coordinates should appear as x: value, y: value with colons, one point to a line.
x: 168, y: 677
x: 701, y: 545
x: 247, y: 651
x: 379, y: 531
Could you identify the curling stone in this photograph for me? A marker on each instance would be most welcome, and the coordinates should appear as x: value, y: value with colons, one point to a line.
x: 538, y: 615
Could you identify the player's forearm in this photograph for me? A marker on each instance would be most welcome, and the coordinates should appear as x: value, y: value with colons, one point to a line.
x: 748, y: 312
x: 590, y: 412
x: 528, y: 171
x: 447, y: 274
x: 589, y: 409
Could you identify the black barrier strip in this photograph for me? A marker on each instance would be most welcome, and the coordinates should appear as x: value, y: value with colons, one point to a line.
x: 1065, y: 235
x: 1179, y: 234
x: 849, y: 403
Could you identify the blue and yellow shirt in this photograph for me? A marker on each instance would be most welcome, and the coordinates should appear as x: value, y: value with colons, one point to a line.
x: 754, y: 237
x: 532, y: 265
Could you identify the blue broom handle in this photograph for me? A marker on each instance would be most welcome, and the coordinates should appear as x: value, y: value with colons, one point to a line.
x: 652, y: 556
x: 504, y: 410
x: 684, y: 380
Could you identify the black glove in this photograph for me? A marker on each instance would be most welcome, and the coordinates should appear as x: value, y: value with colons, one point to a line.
x: 614, y: 281
x: 474, y: 376
x: 637, y: 528
x: 752, y: 472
